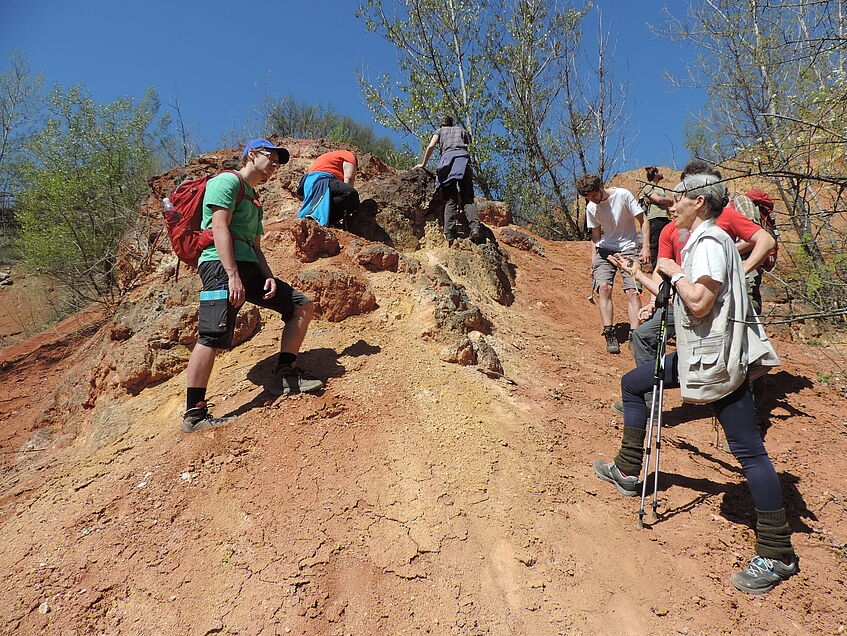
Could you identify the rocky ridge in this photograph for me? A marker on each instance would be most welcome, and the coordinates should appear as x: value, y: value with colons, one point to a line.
x: 440, y: 484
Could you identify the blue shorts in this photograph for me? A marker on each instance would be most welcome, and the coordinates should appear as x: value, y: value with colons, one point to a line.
x: 216, y: 318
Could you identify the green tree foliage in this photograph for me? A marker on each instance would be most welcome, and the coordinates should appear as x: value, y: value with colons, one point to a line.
x: 290, y: 118
x: 20, y: 108
x: 511, y: 73
x: 83, y: 182
x: 441, y: 71
x: 21, y: 102
x: 776, y: 81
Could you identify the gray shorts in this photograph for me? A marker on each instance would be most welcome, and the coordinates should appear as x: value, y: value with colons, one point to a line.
x: 603, y: 271
x: 216, y: 319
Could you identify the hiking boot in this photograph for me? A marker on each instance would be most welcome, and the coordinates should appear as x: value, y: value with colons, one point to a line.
x: 475, y: 235
x: 762, y: 575
x: 292, y: 381
x: 199, y: 419
x: 612, y: 344
x: 607, y: 471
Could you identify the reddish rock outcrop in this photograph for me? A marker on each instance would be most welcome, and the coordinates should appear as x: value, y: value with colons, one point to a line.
x: 461, y: 352
x: 395, y: 207
x: 336, y: 295
x: 311, y: 240
x: 522, y: 241
x: 378, y: 257
x: 494, y: 213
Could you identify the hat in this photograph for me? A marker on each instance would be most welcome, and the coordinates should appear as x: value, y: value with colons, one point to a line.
x: 255, y: 144
x: 760, y: 198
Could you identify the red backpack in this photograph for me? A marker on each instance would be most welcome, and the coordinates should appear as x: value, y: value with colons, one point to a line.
x: 183, y: 221
x: 765, y: 208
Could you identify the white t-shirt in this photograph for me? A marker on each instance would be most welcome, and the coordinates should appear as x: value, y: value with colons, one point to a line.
x: 616, y: 218
x: 707, y: 260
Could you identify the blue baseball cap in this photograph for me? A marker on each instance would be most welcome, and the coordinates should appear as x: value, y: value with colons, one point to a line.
x: 256, y: 144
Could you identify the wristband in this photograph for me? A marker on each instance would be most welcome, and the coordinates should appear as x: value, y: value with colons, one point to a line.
x: 676, y: 278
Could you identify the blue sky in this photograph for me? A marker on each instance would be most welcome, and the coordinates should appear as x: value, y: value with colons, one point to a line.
x: 218, y: 60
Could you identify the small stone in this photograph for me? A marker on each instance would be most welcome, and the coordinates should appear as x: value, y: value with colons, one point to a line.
x: 141, y: 484
x: 659, y: 611
x: 43, y: 608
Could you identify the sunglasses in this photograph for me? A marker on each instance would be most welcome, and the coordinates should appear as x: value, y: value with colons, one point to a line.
x: 270, y: 154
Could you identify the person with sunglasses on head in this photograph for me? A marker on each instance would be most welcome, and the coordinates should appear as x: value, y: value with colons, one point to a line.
x: 720, y: 343
x: 672, y: 240
x: 234, y: 270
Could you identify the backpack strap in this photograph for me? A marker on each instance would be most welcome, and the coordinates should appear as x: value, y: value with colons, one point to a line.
x: 242, y: 191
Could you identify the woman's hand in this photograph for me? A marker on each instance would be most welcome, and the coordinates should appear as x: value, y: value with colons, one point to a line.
x: 668, y: 267
x: 646, y: 311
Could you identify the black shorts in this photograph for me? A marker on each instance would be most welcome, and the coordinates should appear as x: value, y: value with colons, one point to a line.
x: 216, y: 318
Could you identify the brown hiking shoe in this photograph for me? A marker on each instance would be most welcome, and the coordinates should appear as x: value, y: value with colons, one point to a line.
x: 199, y: 419
x: 291, y: 381
x: 612, y: 344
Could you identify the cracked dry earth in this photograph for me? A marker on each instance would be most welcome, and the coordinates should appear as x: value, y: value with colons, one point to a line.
x: 413, y: 495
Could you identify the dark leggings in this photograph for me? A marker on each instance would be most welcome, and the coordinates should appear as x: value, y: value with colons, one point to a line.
x: 459, y: 195
x: 737, y: 416
x: 344, y: 199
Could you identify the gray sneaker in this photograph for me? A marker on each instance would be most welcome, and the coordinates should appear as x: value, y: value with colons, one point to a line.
x: 607, y: 471
x: 762, y: 575
x: 291, y: 381
x: 199, y: 419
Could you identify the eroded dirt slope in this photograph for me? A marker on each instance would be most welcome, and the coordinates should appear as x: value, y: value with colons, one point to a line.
x: 413, y: 495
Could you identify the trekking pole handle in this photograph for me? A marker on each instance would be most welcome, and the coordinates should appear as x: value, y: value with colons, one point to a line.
x: 664, y: 295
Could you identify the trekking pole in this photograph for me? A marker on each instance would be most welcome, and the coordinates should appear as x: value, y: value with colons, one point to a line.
x: 661, y: 302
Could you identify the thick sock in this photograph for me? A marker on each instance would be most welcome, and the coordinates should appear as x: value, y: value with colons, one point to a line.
x: 286, y: 358
x: 194, y: 395
x: 773, y: 536
x: 629, y: 457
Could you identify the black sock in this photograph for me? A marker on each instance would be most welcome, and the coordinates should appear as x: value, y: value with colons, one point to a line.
x: 194, y: 395
x: 287, y: 358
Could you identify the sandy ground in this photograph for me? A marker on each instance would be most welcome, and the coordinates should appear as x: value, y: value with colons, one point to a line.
x: 413, y: 495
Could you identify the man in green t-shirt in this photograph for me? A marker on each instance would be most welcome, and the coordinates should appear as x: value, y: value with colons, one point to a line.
x: 234, y: 270
x: 656, y: 201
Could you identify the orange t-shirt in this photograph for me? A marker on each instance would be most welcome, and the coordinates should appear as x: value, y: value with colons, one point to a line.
x: 333, y: 163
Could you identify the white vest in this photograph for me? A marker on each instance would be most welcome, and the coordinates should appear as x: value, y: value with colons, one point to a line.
x: 716, y: 351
